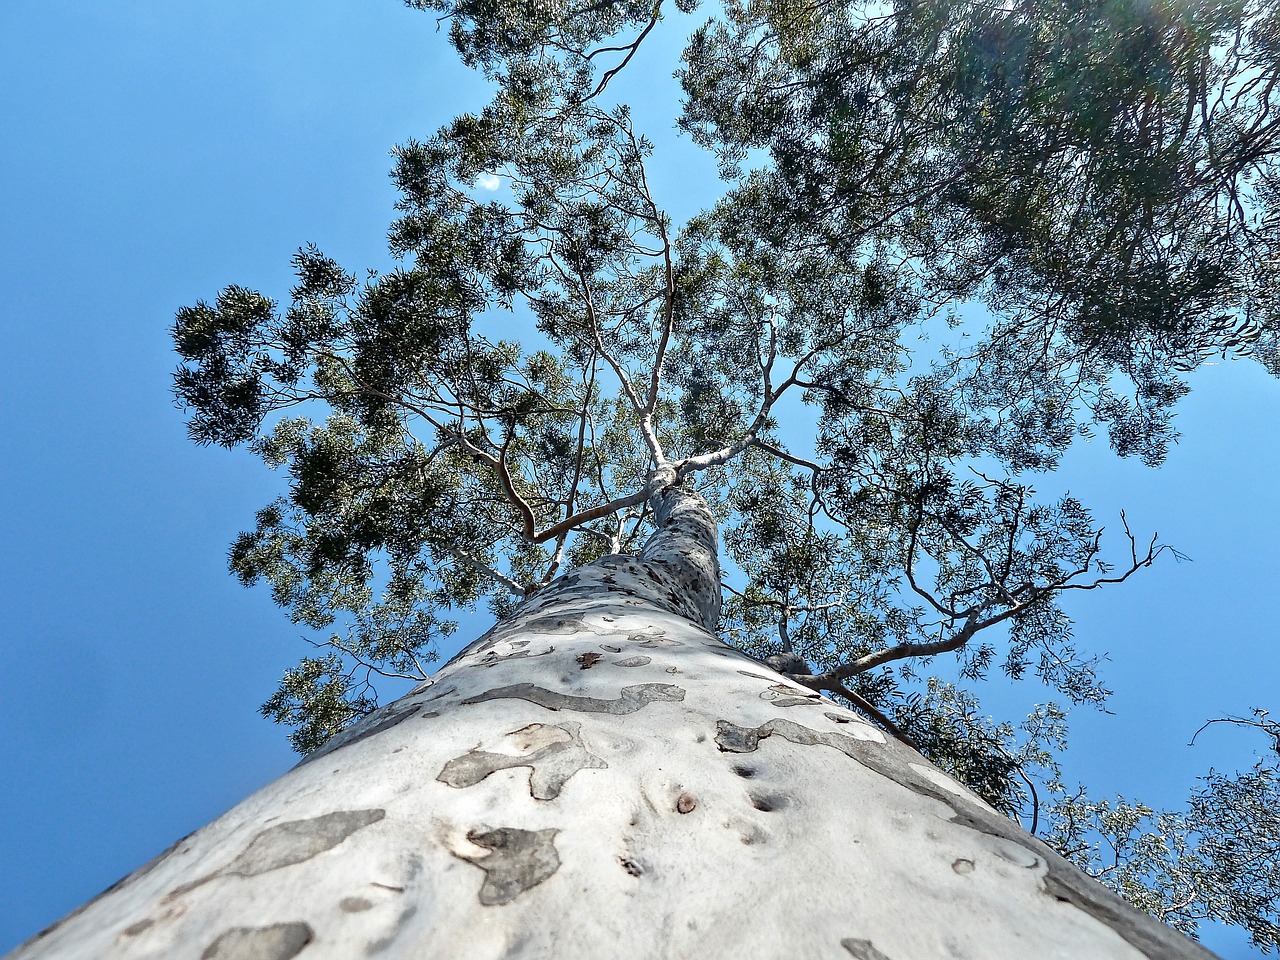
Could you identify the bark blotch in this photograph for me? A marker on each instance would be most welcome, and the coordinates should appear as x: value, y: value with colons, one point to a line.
x: 136, y: 928
x: 633, y: 662
x: 297, y: 840
x: 553, y: 753
x: 962, y: 866
x: 518, y: 861
x: 631, y: 699
x: 862, y: 949
x: 686, y: 803
x: 288, y: 843
x: 280, y: 941
x: 354, y: 904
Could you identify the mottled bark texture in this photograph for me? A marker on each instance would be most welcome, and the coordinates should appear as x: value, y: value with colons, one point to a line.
x: 601, y: 777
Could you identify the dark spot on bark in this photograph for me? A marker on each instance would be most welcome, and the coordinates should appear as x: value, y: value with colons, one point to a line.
x: 354, y: 904
x: 631, y: 866
x: 492, y: 659
x: 768, y: 802
x: 862, y: 949
x: 673, y: 669
x: 633, y: 662
x: 610, y: 648
x: 136, y: 928
x: 837, y: 718
x: 552, y: 758
x: 386, y: 886
x: 588, y: 660
x: 962, y: 866
x: 280, y: 941
x: 744, y: 771
x: 631, y: 699
x: 518, y: 861
x: 686, y: 803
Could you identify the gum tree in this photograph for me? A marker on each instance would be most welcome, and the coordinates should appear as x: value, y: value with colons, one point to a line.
x: 783, y: 421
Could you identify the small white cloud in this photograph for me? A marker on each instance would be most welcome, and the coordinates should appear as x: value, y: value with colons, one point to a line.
x: 487, y: 181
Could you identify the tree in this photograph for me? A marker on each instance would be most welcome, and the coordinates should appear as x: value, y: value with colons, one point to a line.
x: 435, y: 464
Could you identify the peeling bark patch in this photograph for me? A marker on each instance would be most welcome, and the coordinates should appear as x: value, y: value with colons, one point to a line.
x: 610, y: 648
x: 588, y: 660
x: 288, y: 843
x: 732, y: 738
x: 862, y: 949
x: 280, y: 941
x: 519, y: 860
x: 631, y: 866
x: 136, y: 928
x: 686, y: 803
x: 492, y: 659
x: 553, y: 753
x: 354, y: 904
x: 837, y: 718
x: 785, y: 695
x: 754, y: 676
x: 742, y: 770
x: 962, y: 866
x: 632, y: 698
x: 633, y: 662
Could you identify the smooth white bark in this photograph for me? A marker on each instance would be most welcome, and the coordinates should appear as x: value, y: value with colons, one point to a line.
x: 601, y: 777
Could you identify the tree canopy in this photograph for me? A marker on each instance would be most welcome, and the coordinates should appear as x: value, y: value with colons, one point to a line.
x: 952, y: 238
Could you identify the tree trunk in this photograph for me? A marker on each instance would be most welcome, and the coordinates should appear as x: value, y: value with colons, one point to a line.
x: 601, y: 777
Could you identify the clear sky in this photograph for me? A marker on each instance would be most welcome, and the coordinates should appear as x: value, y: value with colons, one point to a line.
x: 155, y: 151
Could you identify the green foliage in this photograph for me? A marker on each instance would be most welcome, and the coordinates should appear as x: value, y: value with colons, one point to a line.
x: 955, y: 237
x: 1216, y: 859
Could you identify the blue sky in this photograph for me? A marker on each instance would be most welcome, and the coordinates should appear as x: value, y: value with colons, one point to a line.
x: 154, y: 152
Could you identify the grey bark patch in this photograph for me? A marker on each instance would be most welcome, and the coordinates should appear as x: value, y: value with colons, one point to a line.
x: 552, y: 752
x: 631, y: 698
x: 136, y: 928
x: 285, y: 844
x: 492, y: 658
x: 297, y: 840
x: 862, y: 949
x: 354, y: 904
x: 280, y: 941
x: 962, y: 866
x: 837, y: 718
x: 686, y: 803
x: 785, y: 695
x: 518, y: 861
x: 754, y: 676
x: 633, y: 662
x: 610, y: 648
